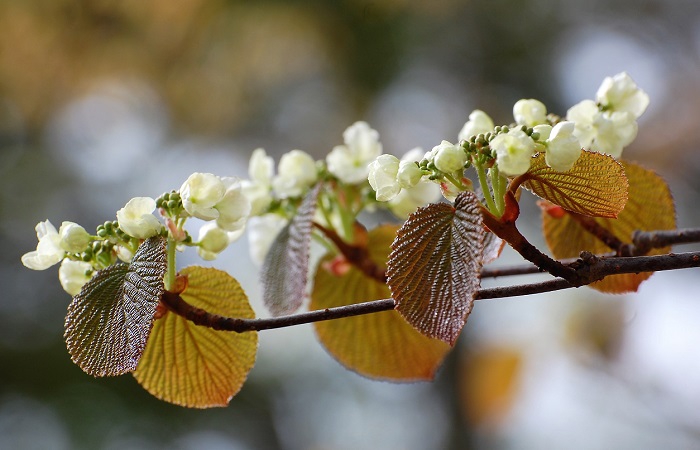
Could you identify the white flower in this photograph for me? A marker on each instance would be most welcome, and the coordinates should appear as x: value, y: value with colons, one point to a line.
x: 209, y: 197
x: 409, y: 173
x: 48, y: 251
x: 350, y: 162
x: 449, y: 158
x: 605, y: 132
x: 123, y: 253
x: 479, y: 123
x: 261, y: 167
x: 136, y: 218
x: 233, y: 207
x: 382, y: 177
x: 563, y: 149
x: 514, y: 151
x: 529, y: 112
x: 73, y: 275
x: 449, y: 190
x: 212, y: 241
x: 262, y: 231
x: 296, y: 173
x: 200, y: 193
x: 258, y: 187
x: 615, y: 131
x: 74, y: 238
x: 621, y: 94
x: 410, y: 199
x: 543, y: 131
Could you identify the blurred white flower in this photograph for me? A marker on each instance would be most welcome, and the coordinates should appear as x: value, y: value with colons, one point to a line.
x: 48, y: 251
x: 262, y: 231
x: 258, y: 187
x: 73, y: 275
x: 620, y: 93
x: 212, y: 241
x: 543, y: 130
x: 295, y: 174
x: 410, y: 199
x: 136, y: 218
x: 350, y: 162
x: 233, y: 207
x: 563, y: 149
x: 449, y: 158
x: 479, y: 123
x: 529, y: 112
x: 74, y: 238
x: 514, y: 152
x: 382, y: 177
x: 123, y: 253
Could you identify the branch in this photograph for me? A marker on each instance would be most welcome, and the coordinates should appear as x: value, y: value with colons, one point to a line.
x: 590, y: 266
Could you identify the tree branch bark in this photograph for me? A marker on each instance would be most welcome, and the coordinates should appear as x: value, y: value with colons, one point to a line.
x: 589, y: 266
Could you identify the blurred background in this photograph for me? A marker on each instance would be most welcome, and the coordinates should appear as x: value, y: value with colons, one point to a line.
x: 101, y: 101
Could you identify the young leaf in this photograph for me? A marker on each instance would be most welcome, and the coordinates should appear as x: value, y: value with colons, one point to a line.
x: 381, y: 345
x: 284, y: 274
x: 650, y: 207
x: 434, y: 266
x: 596, y: 185
x: 195, y: 366
x: 109, y: 321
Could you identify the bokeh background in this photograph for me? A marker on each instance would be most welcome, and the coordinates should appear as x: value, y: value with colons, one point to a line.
x: 101, y: 101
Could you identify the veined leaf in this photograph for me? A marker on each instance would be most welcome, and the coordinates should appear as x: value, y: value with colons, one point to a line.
x: 109, y: 321
x: 596, y: 185
x: 433, y: 270
x: 284, y: 273
x: 196, y: 366
x: 381, y: 345
x: 650, y: 207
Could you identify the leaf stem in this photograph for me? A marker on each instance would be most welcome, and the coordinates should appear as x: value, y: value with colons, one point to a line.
x: 483, y: 183
x: 171, y: 273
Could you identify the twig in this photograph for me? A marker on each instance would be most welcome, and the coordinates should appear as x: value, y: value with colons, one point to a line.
x: 592, y: 267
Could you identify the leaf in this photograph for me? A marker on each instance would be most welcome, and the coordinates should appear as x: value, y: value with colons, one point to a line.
x: 596, y: 185
x: 433, y: 270
x: 650, y: 207
x: 381, y: 345
x: 196, y: 366
x: 493, y: 246
x: 488, y: 383
x: 284, y: 274
x: 109, y: 321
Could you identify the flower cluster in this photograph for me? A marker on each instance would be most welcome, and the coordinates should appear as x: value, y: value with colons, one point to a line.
x: 605, y: 125
x: 355, y: 176
x: 265, y: 201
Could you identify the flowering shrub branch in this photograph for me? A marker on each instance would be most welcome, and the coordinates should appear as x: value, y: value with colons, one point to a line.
x: 608, y: 223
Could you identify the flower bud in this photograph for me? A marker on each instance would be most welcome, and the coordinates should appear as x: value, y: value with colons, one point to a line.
x: 382, y: 177
x: 479, y: 123
x: 563, y: 149
x: 529, y: 112
x: 74, y: 238
x: 73, y: 275
x: 449, y: 158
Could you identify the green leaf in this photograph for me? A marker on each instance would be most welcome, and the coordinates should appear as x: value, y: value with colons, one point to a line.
x: 109, y: 321
x: 381, y: 345
x: 435, y: 264
x: 285, y: 270
x: 596, y: 185
x: 196, y: 366
x: 650, y: 207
